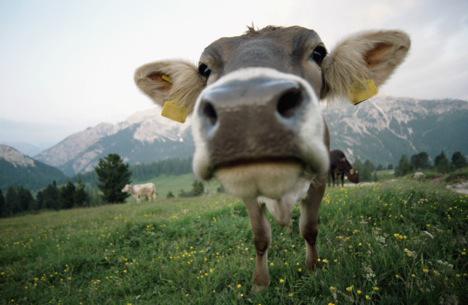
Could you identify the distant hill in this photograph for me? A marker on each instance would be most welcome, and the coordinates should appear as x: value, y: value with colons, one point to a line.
x: 19, y: 169
x: 24, y: 147
x: 381, y: 130
x: 384, y: 128
x: 144, y: 137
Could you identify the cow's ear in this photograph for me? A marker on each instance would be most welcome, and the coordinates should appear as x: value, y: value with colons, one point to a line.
x: 362, y: 62
x: 173, y: 84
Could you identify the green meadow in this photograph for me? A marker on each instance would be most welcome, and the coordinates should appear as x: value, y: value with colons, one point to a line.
x: 396, y: 242
x: 165, y: 184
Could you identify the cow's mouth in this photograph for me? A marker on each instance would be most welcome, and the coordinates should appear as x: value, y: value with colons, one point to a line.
x: 270, y: 176
x: 259, y: 160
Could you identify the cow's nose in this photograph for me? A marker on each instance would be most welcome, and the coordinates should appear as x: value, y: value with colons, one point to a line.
x: 254, y: 119
x: 277, y: 102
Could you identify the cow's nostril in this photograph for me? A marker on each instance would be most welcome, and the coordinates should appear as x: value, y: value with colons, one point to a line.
x: 289, y: 102
x: 210, y: 113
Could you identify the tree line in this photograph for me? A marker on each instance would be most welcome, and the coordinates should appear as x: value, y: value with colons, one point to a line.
x: 142, y: 172
x: 112, y: 175
x: 421, y: 161
x: 367, y: 170
x: 18, y: 199
x: 105, y: 185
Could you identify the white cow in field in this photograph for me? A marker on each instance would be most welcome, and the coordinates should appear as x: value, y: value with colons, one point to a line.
x: 138, y: 191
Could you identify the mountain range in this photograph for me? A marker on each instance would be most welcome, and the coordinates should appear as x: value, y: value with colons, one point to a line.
x: 384, y: 128
x: 143, y: 138
x: 17, y: 169
x: 381, y: 130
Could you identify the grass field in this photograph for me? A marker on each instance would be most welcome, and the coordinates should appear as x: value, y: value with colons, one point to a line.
x: 174, y: 184
x: 401, y: 242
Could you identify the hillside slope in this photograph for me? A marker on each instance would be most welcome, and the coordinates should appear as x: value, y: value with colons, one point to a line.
x: 19, y: 169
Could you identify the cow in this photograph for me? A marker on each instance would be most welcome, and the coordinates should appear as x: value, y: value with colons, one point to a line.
x: 256, y: 117
x: 138, y: 191
x: 340, y: 166
x: 419, y: 175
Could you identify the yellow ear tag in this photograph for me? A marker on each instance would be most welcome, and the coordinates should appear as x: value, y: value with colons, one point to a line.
x: 175, y: 112
x: 360, y: 92
x: 166, y: 78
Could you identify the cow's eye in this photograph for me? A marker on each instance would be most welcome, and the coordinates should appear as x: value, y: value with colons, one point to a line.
x: 318, y: 54
x: 204, y: 70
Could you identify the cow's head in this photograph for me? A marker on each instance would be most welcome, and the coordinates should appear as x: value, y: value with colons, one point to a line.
x: 353, y: 175
x: 254, y: 101
x: 128, y: 188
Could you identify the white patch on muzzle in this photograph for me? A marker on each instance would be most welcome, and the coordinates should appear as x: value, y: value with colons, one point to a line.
x: 272, y: 180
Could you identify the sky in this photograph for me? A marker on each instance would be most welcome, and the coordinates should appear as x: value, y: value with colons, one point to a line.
x: 67, y: 65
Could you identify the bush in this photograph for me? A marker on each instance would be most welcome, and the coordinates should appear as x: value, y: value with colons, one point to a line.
x: 197, y: 190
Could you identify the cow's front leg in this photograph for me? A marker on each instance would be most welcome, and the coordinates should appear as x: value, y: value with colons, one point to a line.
x: 262, y: 239
x: 309, y: 222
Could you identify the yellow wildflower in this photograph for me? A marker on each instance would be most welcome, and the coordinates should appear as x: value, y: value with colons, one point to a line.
x: 350, y: 288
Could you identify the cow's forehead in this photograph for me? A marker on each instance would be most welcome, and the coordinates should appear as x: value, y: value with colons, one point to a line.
x: 288, y: 38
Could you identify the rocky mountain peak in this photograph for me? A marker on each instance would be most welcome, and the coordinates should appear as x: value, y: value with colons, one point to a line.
x: 15, y: 157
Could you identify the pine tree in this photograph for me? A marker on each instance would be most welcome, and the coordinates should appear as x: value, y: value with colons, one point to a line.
x: 365, y: 169
x: 113, y: 174
x: 67, y: 195
x: 458, y: 160
x: 420, y: 161
x: 40, y: 200
x: 404, y: 166
x: 25, y: 199
x: 51, y: 197
x: 441, y: 163
x: 2, y: 204
x: 81, y: 196
x: 12, y: 205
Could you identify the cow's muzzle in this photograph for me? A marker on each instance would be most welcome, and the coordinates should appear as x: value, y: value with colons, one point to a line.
x: 254, y: 120
x: 251, y: 127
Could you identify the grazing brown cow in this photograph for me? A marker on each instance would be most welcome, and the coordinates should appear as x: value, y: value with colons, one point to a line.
x: 256, y: 117
x: 340, y: 166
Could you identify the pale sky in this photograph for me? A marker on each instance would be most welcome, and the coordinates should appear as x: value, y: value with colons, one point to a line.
x: 67, y: 65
